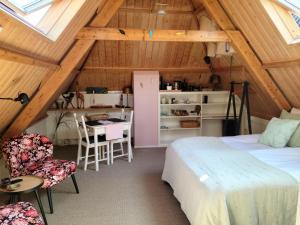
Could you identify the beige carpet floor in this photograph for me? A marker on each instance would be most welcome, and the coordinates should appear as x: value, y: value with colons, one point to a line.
x: 120, y: 194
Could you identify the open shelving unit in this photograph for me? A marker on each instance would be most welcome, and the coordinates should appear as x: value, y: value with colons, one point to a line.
x: 210, y: 116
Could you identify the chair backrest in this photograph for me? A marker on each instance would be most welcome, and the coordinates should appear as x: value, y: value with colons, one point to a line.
x: 131, y: 118
x: 77, y: 126
x: 122, y: 115
x: 114, y: 131
x: 85, y: 131
x: 22, y: 154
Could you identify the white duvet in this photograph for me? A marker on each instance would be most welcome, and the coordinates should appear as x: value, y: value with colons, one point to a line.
x: 192, y: 187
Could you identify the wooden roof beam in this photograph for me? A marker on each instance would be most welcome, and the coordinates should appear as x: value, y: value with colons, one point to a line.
x: 165, y: 69
x: 61, y: 77
x: 151, y: 11
x: 25, y: 59
x: 282, y: 64
x: 245, y: 51
x: 114, y: 34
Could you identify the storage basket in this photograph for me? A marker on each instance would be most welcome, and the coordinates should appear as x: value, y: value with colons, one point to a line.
x: 189, y: 124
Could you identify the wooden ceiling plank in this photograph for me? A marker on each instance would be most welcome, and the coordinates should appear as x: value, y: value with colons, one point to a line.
x: 243, y: 48
x: 214, y: 8
x: 106, y: 13
x: 62, y: 76
x: 255, y: 67
x: 115, y: 34
x: 24, y: 59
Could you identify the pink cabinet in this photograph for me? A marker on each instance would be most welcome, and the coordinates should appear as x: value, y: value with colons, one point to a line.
x: 146, y: 93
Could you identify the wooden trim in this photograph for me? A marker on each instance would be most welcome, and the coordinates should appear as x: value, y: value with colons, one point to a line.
x: 58, y: 80
x: 24, y: 59
x: 282, y: 64
x: 114, y: 34
x: 243, y: 48
x: 164, y: 69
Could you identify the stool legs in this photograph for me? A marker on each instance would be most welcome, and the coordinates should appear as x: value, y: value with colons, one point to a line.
x: 37, y: 196
x: 49, y: 193
x: 75, y: 183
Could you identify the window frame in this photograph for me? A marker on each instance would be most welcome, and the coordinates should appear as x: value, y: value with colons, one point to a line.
x: 282, y: 18
x: 55, y: 20
x: 23, y: 11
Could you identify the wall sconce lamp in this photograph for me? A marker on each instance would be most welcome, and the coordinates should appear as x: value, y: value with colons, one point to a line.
x: 22, y: 98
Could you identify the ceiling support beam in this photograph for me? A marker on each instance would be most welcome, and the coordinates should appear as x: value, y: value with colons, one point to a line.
x: 282, y: 64
x: 114, y: 34
x: 62, y: 77
x: 106, y: 13
x: 48, y: 93
x: 24, y: 59
x: 151, y: 11
x: 252, y: 63
x: 164, y: 69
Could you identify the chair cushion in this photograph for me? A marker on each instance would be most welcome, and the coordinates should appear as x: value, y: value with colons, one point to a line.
x: 19, y: 213
x: 22, y: 151
x: 53, y: 171
x: 101, y: 138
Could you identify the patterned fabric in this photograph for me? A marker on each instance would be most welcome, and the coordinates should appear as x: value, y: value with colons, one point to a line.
x: 32, y: 154
x: 21, y: 213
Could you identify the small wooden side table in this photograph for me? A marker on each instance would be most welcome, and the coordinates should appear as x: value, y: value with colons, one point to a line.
x: 27, y: 185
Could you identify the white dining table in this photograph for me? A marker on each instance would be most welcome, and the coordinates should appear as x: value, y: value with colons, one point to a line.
x: 100, y: 130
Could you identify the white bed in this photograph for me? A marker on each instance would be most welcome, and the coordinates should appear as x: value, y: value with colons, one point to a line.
x: 206, y: 196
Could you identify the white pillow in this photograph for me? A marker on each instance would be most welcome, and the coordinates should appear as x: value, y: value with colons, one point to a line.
x: 278, y: 132
x: 295, y: 111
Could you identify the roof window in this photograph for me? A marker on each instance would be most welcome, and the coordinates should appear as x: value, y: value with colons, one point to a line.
x: 47, y: 17
x: 285, y: 15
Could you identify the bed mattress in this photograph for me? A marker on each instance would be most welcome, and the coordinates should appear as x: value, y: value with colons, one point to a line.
x: 211, y: 196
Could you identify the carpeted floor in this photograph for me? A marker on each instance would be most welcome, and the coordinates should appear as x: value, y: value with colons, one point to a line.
x: 119, y: 194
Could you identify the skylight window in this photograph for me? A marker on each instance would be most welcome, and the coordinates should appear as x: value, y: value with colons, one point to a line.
x: 27, y: 6
x: 293, y: 5
x: 47, y: 17
x: 285, y: 15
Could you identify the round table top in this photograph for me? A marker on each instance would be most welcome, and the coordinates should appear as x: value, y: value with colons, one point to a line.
x: 28, y: 184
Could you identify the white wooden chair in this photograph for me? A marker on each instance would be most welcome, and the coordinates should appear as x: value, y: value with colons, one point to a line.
x: 88, y: 142
x: 121, y: 141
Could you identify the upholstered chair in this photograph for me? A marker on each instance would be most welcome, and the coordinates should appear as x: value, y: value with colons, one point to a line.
x: 32, y: 154
x: 19, y: 213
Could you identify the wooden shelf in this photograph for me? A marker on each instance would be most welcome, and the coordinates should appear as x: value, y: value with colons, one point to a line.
x: 171, y: 117
x: 185, y: 104
x: 90, y: 110
x: 210, y: 118
x: 179, y: 128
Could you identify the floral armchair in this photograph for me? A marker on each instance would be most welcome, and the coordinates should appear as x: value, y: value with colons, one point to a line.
x: 19, y: 213
x: 32, y: 154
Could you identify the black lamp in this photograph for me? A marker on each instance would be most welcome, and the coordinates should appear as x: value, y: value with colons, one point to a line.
x: 22, y: 97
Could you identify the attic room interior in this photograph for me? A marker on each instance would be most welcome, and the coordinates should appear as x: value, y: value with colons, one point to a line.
x: 149, y: 112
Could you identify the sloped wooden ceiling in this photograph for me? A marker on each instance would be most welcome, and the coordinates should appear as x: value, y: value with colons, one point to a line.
x: 251, y: 18
x: 110, y: 62
x: 16, y: 77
